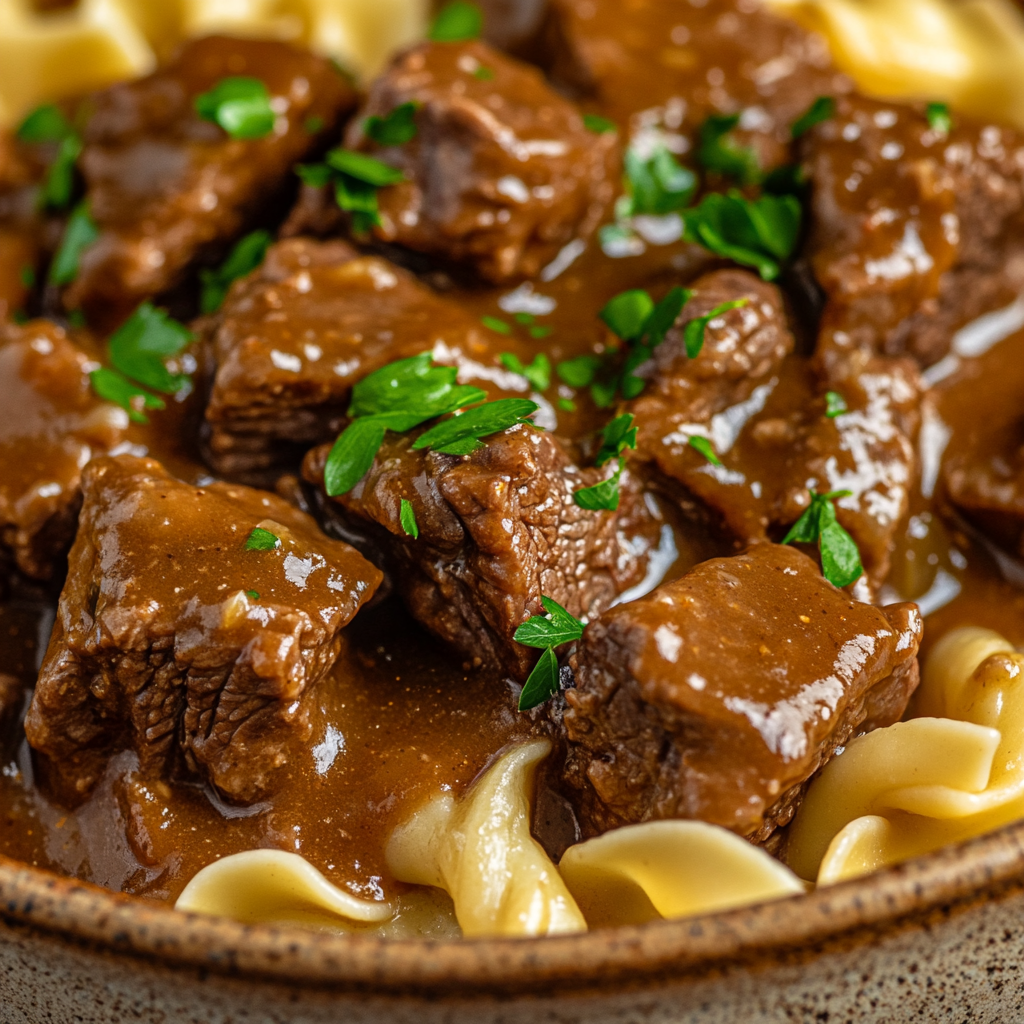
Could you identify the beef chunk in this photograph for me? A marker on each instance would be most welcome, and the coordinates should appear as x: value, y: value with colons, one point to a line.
x: 22, y: 226
x: 914, y: 232
x: 497, y: 529
x: 293, y: 338
x: 175, y: 640
x: 53, y: 423
x: 502, y: 172
x: 719, y: 695
x: 167, y: 188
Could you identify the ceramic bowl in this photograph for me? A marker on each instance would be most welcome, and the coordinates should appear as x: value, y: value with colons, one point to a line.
x: 937, y: 939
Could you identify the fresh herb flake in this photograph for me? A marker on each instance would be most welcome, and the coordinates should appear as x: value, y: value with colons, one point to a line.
x: 396, y: 129
x: 627, y: 314
x: 604, y: 495
x: 483, y: 74
x: 253, y: 595
x: 139, y: 347
x: 717, y: 152
x: 59, y: 185
x: 407, y: 517
x: 835, y: 404
x: 457, y: 22
x: 694, y: 331
x: 363, y: 168
x: 492, y: 323
x: 45, y: 124
x: 538, y: 373
x: 240, y: 105
x: 939, y: 118
x: 579, y: 372
x: 542, y: 683
x: 554, y: 628
x: 566, y: 405
x: 352, y: 455
x: 79, y: 234
x: 244, y: 258
x: 540, y: 331
x: 703, y: 445
x: 115, y: 387
x: 525, y: 318
x: 822, y: 109
x: 657, y: 184
x: 461, y: 435
x: 27, y: 276
x: 617, y: 436
x: 599, y: 125
x: 314, y: 125
x: 262, y: 540
x: 840, y: 557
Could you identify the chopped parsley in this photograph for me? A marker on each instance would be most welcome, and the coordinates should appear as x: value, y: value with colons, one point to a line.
x: 457, y: 22
x: 717, y: 151
x: 407, y: 517
x: 835, y: 404
x: 245, y: 257
x: 262, y: 540
x: 840, y: 557
x: 47, y: 124
x: 547, y: 632
x: 356, y: 178
x: 694, y: 331
x: 461, y: 435
x: 396, y: 128
x: 483, y: 74
x: 704, y: 446
x: 579, y: 372
x: 656, y: 184
x: 117, y: 388
x: 939, y: 118
x: 139, y: 347
x: 822, y: 109
x: 538, y: 373
x: 617, y: 436
x: 566, y: 405
x: 240, y: 105
x: 27, y: 276
x: 79, y: 234
x: 492, y: 323
x: 314, y: 125
x: 599, y: 125
x: 253, y: 595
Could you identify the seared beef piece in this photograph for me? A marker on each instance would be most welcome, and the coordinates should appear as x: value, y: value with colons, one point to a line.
x: 162, y: 646
x: 167, y: 188
x: 914, y: 232
x: 720, y: 56
x: 22, y: 227
x: 52, y: 424
x: 502, y: 172
x: 718, y: 696
x: 497, y: 529
x: 292, y: 339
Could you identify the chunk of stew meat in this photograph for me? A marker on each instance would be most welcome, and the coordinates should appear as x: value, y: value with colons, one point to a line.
x: 166, y: 188
x: 497, y: 529
x: 177, y: 639
x: 501, y: 173
x: 717, y: 696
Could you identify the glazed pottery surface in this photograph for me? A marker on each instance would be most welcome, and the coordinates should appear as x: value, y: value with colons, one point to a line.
x: 938, y: 939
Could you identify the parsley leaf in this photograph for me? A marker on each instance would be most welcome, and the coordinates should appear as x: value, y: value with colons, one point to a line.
x: 604, y: 495
x: 627, y: 314
x: 352, y: 455
x: 115, y: 387
x: 542, y: 683
x: 314, y: 125
x: 396, y: 128
x: 253, y: 595
x: 835, y: 404
x: 822, y: 109
x: 693, y: 332
x: 483, y: 74
x: 939, y: 118
x: 27, y: 276
x: 363, y: 168
x: 79, y: 234
x: 703, y: 445
x: 617, y: 436
x: 754, y: 232
x: 578, y: 372
x: 657, y: 184
x: 457, y: 22
x: 240, y: 105
x: 553, y: 629
x: 407, y: 517
x: 538, y: 373
x: 356, y: 178
x: 245, y: 257
x: 45, y: 124
x: 840, y: 557
x: 462, y: 433
x: 262, y: 540
x: 139, y: 347
x: 492, y: 323
x: 599, y: 125
x: 717, y: 152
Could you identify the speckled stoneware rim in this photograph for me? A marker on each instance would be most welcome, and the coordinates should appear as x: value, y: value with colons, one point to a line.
x: 855, y: 912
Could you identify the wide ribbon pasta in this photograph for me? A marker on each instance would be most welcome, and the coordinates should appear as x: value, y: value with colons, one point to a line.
x: 969, y: 53
x: 480, y: 851
x: 920, y: 785
x: 670, y: 869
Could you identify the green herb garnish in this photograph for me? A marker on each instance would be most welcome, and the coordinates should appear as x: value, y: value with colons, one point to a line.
x: 540, y: 331
x: 717, y: 152
x: 538, y: 373
x: 492, y: 323
x: 396, y: 129
x: 117, y: 388
x: 547, y: 632
x: 262, y: 540
x: 483, y: 74
x: 939, y: 118
x: 578, y: 372
x: 314, y: 125
x: 603, y: 496
x: 27, y: 276
x: 566, y: 405
x: 694, y: 331
x: 245, y: 257
x: 356, y: 178
x: 461, y: 435
x: 703, y: 445
x: 835, y: 404
x: 79, y: 234
x: 47, y: 124
x: 139, y: 347
x: 240, y: 105
x: 758, y: 233
x: 599, y: 125
x: 253, y: 595
x: 617, y: 436
x: 657, y: 184
x: 457, y: 22
x: 822, y: 109
x: 407, y: 517
x: 840, y: 557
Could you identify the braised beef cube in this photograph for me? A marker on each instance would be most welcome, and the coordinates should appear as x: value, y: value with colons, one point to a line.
x: 167, y: 188
x: 718, y: 696
x: 53, y: 423
x: 292, y: 339
x: 678, y: 64
x: 177, y: 639
x: 501, y: 173
x: 914, y: 231
x: 498, y: 529
x: 23, y: 228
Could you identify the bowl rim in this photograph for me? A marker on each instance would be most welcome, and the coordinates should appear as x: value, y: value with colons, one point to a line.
x: 855, y: 912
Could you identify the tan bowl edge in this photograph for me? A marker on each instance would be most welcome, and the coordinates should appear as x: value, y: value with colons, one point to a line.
x: 850, y: 914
